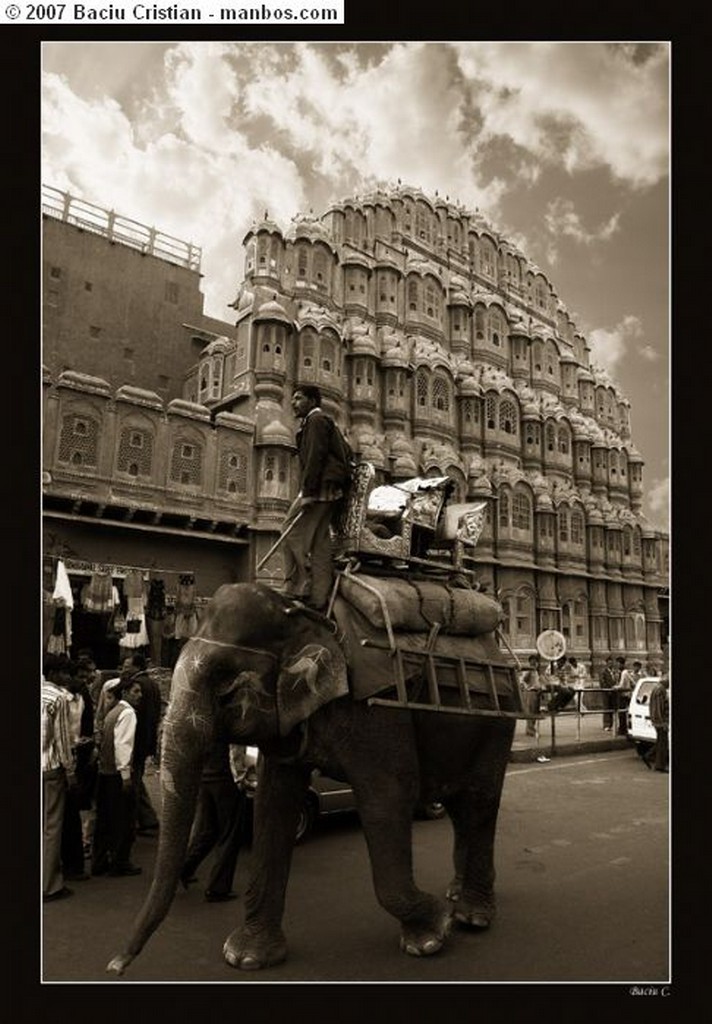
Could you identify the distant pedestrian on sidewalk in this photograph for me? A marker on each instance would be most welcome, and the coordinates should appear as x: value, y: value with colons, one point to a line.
x: 607, y: 680
x: 660, y: 718
x: 624, y: 688
x: 531, y: 695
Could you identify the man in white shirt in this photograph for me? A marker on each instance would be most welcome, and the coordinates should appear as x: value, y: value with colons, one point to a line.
x: 116, y: 794
x: 625, y: 686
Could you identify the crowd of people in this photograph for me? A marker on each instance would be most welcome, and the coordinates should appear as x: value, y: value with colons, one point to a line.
x: 97, y: 739
x: 551, y: 687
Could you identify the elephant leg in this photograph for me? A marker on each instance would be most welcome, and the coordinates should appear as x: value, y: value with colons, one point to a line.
x: 279, y: 797
x: 471, y: 891
x: 387, y: 826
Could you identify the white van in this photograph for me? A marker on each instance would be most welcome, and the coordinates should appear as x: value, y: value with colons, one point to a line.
x: 640, y: 729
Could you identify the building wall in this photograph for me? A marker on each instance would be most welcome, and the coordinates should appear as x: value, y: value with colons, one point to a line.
x: 115, y: 312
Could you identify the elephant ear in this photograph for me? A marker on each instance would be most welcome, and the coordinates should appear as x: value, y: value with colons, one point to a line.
x: 311, y: 676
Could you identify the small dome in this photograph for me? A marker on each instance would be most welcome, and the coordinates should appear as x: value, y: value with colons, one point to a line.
x: 217, y: 347
x: 84, y: 382
x: 311, y: 227
x: 139, y: 396
x: 272, y: 310
x: 264, y: 225
x: 274, y: 432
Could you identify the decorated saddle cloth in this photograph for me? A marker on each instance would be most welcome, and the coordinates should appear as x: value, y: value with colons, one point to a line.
x: 415, y: 606
x: 373, y: 670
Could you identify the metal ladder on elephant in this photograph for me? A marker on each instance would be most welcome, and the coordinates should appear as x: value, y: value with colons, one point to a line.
x: 427, y: 663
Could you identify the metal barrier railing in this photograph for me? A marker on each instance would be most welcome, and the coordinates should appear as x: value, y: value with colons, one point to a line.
x: 587, y: 700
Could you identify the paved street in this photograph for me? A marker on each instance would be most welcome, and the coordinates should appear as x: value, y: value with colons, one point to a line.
x: 582, y: 862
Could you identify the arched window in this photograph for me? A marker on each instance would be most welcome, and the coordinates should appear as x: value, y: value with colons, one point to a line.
x: 308, y: 347
x: 491, y: 412
x: 577, y: 528
x: 135, y: 451
x: 479, y: 323
x: 519, y: 618
x: 320, y: 268
x: 532, y: 435
x: 550, y: 437
x: 327, y: 355
x: 564, y: 440
x: 412, y: 294
x: 496, y: 328
x: 563, y: 524
x: 421, y: 388
x: 521, y: 511
x: 79, y: 440
x: 508, y: 417
x: 274, y: 253
x: 302, y: 261
x: 537, y: 356
x: 232, y: 471
x: 187, y: 463
x: 552, y: 361
x: 504, y: 509
x: 574, y: 623
x: 441, y: 394
x: 613, y: 463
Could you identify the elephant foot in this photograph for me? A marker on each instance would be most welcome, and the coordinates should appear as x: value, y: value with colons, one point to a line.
x: 472, y: 913
x: 422, y: 940
x: 118, y: 964
x: 254, y: 952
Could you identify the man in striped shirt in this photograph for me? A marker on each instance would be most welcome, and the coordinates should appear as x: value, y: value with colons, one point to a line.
x: 58, y: 770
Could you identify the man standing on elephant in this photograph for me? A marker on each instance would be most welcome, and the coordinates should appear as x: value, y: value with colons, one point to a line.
x: 324, y: 476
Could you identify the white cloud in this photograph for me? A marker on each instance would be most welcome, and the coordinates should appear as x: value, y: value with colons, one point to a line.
x: 576, y: 105
x: 562, y: 218
x: 658, y: 496
x: 649, y: 353
x: 610, y: 345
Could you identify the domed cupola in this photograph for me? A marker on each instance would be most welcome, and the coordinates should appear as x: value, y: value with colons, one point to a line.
x: 264, y: 250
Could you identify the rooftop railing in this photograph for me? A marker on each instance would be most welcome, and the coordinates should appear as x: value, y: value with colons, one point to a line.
x: 116, y: 228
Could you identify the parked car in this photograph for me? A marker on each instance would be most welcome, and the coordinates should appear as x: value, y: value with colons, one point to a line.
x: 325, y: 797
x: 640, y: 730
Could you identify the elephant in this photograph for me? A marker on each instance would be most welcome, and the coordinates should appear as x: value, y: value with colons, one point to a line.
x: 263, y: 672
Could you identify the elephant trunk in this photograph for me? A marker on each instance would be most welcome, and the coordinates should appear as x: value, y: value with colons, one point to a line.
x: 186, y: 738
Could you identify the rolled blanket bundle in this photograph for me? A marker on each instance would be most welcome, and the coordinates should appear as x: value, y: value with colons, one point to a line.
x: 415, y: 606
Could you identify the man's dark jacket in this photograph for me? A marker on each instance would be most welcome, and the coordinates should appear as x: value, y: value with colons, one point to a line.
x: 320, y: 454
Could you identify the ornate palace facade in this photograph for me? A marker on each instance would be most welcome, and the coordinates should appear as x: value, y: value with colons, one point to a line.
x: 441, y: 349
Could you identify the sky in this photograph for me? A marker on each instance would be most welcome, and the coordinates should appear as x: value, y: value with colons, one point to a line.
x: 564, y: 147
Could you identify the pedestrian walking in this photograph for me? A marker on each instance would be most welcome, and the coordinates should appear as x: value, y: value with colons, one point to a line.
x: 219, y: 819
x: 659, y: 756
x: 607, y: 681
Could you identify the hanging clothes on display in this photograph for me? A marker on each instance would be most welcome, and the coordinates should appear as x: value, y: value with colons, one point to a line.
x: 186, y: 612
x: 61, y: 639
x: 98, y: 594
x: 136, y: 635
x: 169, y: 646
x: 155, y: 614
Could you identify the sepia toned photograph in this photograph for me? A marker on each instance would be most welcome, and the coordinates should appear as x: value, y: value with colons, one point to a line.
x: 355, y: 525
